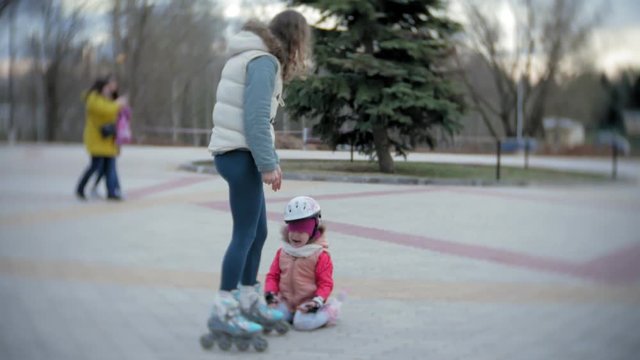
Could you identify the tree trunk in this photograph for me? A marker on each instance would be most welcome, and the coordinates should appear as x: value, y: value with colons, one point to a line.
x: 505, y: 116
x: 475, y: 97
x: 116, y: 32
x: 3, y: 5
x: 380, y: 135
x: 381, y: 142
x: 13, y: 131
x: 174, y: 112
x: 51, y: 102
x: 34, y: 103
x: 36, y: 99
x: 135, y: 44
x: 534, y: 123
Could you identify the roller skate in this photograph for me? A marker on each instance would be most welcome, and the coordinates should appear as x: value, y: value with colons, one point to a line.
x: 254, y: 307
x: 227, y: 327
x: 333, y: 307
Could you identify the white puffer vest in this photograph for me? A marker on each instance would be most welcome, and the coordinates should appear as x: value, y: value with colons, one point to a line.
x: 228, y: 127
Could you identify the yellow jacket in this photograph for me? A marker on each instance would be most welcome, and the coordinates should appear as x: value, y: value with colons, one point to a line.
x: 100, y: 111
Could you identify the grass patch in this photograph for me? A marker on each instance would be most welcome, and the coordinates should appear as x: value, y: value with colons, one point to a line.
x: 439, y: 171
x: 435, y: 171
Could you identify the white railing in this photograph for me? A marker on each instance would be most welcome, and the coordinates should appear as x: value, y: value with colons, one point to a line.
x: 197, y: 134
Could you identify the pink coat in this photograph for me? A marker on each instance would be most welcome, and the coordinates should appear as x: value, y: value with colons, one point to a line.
x: 299, y: 279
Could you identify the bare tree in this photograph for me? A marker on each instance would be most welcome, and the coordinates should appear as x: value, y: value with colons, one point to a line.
x: 546, y: 37
x: 166, y: 56
x: 57, y: 44
x: 162, y: 52
x: 13, y: 131
x: 129, y: 22
x: 480, y: 97
x: 583, y: 97
x: 4, y: 4
x: 259, y: 9
x: 116, y: 33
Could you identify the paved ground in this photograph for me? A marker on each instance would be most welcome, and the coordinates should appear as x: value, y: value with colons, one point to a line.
x: 431, y: 272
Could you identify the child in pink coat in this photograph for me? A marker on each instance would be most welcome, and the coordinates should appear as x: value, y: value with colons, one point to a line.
x: 300, y: 279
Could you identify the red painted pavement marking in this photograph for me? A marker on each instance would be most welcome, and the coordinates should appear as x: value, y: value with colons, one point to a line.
x: 454, y: 248
x: 358, y: 194
x: 223, y: 205
x: 619, y: 267
x: 166, y: 186
x: 448, y: 247
x: 33, y: 197
x: 622, y: 265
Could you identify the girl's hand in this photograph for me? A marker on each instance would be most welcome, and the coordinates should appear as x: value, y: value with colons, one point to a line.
x: 271, y: 298
x: 309, y: 307
x: 273, y: 178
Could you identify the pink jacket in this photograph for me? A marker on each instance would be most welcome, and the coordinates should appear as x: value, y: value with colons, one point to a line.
x: 298, y: 279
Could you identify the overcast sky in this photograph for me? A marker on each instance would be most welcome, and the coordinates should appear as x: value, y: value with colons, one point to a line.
x: 615, y: 41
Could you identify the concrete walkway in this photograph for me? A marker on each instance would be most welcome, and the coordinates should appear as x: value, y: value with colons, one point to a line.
x: 431, y: 272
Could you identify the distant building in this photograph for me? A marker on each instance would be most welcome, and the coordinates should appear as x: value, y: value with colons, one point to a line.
x: 563, y: 133
x: 631, y: 120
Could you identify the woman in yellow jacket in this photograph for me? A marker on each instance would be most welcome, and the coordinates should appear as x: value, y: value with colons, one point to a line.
x: 102, y: 109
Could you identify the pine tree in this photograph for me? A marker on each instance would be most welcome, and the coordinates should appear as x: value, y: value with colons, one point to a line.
x: 380, y: 83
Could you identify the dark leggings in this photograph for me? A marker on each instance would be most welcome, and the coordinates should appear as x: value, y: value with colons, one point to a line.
x: 99, y: 164
x: 103, y: 172
x: 246, y: 196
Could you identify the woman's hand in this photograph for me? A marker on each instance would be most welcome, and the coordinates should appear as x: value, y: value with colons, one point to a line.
x: 273, y: 178
x: 123, y: 101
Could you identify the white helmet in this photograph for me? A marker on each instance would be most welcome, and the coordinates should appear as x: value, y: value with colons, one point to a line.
x: 301, y: 207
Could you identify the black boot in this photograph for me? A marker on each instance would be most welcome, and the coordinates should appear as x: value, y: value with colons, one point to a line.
x: 80, y: 195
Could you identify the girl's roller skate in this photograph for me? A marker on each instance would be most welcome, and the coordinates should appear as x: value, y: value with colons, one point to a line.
x: 227, y: 326
x: 332, y: 308
x: 255, y: 308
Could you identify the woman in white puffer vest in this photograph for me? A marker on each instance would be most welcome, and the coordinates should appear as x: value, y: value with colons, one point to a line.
x: 262, y: 58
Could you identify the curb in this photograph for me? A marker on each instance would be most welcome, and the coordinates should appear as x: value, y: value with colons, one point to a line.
x: 367, y: 179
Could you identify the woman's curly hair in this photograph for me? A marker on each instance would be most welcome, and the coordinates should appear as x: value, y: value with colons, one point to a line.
x: 288, y: 38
